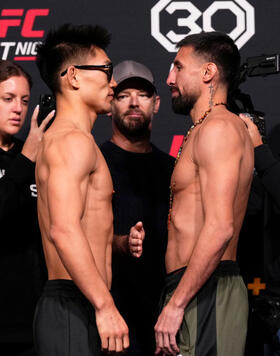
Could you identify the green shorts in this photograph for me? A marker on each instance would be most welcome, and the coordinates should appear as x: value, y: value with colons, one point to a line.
x: 215, y: 322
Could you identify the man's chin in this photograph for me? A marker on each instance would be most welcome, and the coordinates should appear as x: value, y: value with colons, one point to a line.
x: 181, y: 107
x: 105, y: 110
x: 133, y: 130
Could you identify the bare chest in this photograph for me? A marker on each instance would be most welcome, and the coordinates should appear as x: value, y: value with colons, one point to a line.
x: 185, y: 177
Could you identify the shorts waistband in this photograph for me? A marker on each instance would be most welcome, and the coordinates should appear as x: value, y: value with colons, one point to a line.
x: 224, y: 268
x: 62, y: 287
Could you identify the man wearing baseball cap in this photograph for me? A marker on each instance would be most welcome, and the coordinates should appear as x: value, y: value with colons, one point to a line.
x: 141, y: 176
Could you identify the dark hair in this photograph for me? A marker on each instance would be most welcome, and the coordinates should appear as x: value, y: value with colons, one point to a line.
x: 219, y: 48
x: 10, y: 69
x: 68, y: 43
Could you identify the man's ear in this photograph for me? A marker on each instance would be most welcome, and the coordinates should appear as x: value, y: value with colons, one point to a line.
x: 157, y: 104
x: 72, y: 77
x: 210, y: 70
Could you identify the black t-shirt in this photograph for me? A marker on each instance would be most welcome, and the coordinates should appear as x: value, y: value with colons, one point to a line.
x: 141, y: 184
x: 21, y: 260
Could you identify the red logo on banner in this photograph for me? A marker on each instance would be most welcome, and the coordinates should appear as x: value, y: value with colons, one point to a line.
x: 176, y: 144
x: 11, y: 18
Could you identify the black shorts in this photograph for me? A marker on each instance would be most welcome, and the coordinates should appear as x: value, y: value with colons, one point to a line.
x: 215, y: 321
x: 64, y: 322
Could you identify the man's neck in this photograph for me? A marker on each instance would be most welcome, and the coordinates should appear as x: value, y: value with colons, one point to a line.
x: 141, y: 145
x: 204, y: 104
x: 79, y: 114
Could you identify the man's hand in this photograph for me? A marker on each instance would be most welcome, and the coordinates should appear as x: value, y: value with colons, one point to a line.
x: 166, y: 329
x: 31, y: 145
x: 253, y: 131
x: 112, y: 330
x: 135, y: 239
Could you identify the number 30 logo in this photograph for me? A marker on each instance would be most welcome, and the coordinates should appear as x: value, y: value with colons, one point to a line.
x: 243, y: 11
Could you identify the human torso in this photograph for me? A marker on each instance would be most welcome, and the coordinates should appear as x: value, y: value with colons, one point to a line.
x: 18, y: 199
x: 21, y: 263
x: 96, y: 219
x: 141, y: 185
x: 187, y: 214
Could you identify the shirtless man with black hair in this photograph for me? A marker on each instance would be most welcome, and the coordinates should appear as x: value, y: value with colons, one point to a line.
x: 75, y: 200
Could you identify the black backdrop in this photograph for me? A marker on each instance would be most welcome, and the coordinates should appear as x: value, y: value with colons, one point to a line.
x: 140, y: 31
x: 146, y: 31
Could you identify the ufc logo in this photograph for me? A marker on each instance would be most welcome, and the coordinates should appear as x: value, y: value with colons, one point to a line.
x: 26, y: 22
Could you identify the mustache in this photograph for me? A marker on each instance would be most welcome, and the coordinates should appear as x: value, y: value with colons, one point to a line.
x: 133, y: 111
x: 175, y: 89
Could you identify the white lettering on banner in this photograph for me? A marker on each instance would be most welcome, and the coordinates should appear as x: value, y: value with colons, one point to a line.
x: 21, y: 48
x: 33, y: 189
x: 2, y: 173
x: 7, y: 46
x: 241, y: 9
x: 26, y: 48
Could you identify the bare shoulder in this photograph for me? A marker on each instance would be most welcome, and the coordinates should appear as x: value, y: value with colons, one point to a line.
x: 221, y: 134
x: 69, y: 147
x: 224, y: 126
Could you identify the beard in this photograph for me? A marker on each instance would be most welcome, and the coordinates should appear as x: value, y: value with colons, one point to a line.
x: 183, y: 104
x: 133, y: 128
